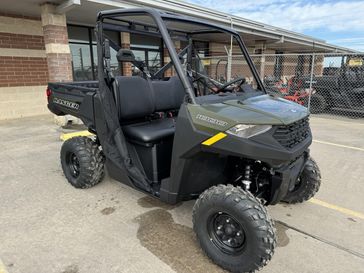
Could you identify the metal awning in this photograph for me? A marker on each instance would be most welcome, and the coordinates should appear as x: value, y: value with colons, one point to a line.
x: 253, y: 33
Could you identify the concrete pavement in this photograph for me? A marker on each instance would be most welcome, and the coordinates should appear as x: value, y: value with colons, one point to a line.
x: 48, y: 226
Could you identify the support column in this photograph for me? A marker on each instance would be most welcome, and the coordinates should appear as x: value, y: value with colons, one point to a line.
x: 56, y: 44
x: 260, y: 48
x: 166, y: 59
x: 57, y: 52
x: 126, y: 68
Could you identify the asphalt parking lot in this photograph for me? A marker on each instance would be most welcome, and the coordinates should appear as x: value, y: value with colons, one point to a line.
x: 48, y: 226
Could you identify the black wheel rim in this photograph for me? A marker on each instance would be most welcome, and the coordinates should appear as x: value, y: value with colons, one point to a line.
x: 226, y: 233
x: 73, y: 165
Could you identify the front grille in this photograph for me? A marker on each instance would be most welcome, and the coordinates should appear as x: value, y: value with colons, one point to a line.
x: 292, y: 134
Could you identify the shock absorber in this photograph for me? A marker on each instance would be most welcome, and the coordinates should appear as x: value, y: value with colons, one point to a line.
x: 247, y: 177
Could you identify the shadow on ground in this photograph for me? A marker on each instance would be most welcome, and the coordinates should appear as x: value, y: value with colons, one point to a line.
x: 173, y: 243
x: 176, y: 244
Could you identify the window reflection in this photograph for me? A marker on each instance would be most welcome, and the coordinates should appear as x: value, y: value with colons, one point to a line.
x: 81, y: 62
x: 84, y: 52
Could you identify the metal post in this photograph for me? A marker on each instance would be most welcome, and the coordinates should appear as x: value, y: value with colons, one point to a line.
x: 311, y: 79
x: 262, y: 65
x: 230, y: 55
x: 228, y: 73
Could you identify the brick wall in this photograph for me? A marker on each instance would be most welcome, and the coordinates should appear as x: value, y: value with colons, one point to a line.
x: 59, y: 67
x: 23, y: 71
x: 55, y: 34
x: 22, y: 53
x: 126, y: 67
x: 23, y: 67
x: 19, y: 16
x: 171, y: 71
x: 56, y: 44
x: 11, y: 40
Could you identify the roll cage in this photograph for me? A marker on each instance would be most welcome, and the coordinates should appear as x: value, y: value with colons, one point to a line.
x: 160, y: 30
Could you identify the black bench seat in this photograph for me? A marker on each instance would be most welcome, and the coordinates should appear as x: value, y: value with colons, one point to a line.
x: 150, y: 131
x: 137, y: 99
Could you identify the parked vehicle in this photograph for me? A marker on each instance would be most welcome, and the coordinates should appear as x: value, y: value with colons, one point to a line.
x: 341, y: 89
x: 232, y: 147
x: 294, y: 89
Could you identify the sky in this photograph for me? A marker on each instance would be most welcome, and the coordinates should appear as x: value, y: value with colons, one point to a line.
x: 337, y: 22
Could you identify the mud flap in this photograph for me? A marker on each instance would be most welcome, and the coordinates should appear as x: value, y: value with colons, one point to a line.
x: 285, y: 179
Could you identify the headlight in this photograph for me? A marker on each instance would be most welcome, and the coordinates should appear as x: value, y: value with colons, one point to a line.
x: 247, y: 131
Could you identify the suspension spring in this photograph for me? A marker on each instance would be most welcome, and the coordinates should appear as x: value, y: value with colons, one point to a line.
x: 247, y: 177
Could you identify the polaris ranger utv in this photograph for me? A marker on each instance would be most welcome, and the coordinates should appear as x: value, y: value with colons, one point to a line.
x: 183, y: 135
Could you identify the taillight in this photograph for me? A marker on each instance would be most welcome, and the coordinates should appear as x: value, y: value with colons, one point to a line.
x: 48, y: 92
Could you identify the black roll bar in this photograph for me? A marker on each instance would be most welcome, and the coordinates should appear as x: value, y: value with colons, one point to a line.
x: 166, y: 38
x: 158, y: 19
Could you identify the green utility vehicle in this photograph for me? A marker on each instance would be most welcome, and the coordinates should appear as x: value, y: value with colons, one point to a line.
x: 179, y: 134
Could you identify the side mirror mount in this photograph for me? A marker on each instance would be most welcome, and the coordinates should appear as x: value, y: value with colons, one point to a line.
x: 125, y: 55
x: 107, y: 49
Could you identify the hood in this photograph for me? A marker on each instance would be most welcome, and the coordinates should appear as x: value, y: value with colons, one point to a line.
x: 258, y: 110
x: 272, y: 107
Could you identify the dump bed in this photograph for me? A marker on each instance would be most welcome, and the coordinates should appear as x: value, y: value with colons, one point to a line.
x: 73, y: 98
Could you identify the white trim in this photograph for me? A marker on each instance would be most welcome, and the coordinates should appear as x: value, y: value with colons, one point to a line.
x: 19, y: 52
x: 57, y: 48
x: 20, y: 26
x: 67, y: 5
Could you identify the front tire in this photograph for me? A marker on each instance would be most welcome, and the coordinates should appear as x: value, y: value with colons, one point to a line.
x: 234, y: 228
x: 307, y: 185
x: 82, y: 162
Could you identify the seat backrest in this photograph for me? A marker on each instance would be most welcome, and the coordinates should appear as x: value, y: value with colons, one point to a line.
x: 135, y: 97
x: 168, y: 94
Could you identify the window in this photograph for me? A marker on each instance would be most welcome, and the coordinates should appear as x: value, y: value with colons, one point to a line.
x: 84, y: 52
x: 332, y: 64
x: 83, y: 47
x: 81, y: 62
x: 147, y: 49
x: 81, y: 53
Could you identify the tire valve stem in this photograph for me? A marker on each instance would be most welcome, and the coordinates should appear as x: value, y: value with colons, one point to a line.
x: 247, y: 178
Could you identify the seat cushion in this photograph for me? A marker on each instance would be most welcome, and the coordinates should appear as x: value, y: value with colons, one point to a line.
x: 150, y: 131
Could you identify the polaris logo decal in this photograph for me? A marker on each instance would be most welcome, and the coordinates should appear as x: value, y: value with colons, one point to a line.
x: 211, y: 120
x: 66, y: 103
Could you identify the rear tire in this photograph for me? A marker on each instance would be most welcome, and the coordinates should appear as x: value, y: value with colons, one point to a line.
x: 308, y: 184
x: 318, y: 104
x: 234, y: 229
x: 82, y: 162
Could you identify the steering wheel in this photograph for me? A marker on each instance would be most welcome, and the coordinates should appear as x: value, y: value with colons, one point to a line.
x: 205, y: 81
x: 240, y: 79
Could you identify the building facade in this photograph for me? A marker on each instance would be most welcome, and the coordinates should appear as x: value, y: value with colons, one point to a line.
x: 52, y: 41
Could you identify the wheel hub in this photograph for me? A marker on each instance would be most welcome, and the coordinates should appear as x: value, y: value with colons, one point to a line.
x: 74, y: 165
x: 227, y: 233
